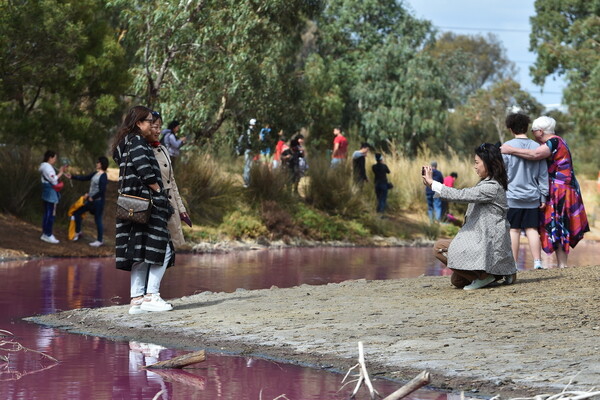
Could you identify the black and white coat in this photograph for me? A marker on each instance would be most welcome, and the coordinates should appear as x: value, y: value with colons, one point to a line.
x: 141, y: 242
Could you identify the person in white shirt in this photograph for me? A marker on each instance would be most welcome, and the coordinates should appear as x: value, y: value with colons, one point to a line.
x: 50, y: 186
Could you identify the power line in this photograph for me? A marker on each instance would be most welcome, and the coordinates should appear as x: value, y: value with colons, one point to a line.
x: 484, y: 29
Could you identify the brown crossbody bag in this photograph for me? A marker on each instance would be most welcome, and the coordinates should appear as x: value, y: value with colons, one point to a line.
x: 132, y: 208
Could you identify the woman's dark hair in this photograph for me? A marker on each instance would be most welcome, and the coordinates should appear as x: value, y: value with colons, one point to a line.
x: 103, y: 163
x: 173, y: 124
x: 48, y: 155
x: 129, y: 125
x: 492, y: 158
x: 454, y: 174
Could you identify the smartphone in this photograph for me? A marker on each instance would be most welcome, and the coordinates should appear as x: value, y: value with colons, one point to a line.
x: 423, y: 171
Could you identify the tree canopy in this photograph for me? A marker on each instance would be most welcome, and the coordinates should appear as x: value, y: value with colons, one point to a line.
x: 61, y: 73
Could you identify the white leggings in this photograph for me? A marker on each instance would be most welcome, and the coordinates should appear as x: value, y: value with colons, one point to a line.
x: 153, y: 273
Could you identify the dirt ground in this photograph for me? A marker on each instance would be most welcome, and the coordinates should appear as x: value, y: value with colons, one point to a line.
x: 532, y: 337
x: 529, y: 338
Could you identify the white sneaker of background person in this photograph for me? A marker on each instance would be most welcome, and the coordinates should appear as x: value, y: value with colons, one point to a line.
x: 49, y: 239
x: 96, y: 243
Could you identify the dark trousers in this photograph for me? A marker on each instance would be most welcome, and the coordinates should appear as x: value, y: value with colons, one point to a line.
x: 460, y: 278
x: 381, y: 191
x: 96, y: 208
x: 48, y: 218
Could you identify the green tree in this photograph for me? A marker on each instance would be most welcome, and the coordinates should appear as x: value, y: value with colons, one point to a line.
x: 486, y: 110
x: 472, y: 61
x: 566, y: 35
x: 390, y: 89
x: 206, y: 61
x: 61, y: 74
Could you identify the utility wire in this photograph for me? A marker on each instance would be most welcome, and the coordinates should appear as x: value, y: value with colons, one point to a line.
x: 484, y: 29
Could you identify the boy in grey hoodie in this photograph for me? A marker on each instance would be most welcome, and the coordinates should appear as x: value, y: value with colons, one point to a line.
x: 527, y: 189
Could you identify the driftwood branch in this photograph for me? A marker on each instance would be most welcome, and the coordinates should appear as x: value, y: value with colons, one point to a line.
x: 418, y: 382
x: 180, y: 361
x: 363, y: 375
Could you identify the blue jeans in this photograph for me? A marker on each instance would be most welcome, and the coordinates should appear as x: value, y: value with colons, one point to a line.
x: 381, y: 191
x: 48, y: 218
x: 434, y: 208
x: 247, y: 167
x: 95, y: 207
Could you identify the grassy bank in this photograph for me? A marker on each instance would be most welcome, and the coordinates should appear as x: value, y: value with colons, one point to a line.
x: 327, y: 205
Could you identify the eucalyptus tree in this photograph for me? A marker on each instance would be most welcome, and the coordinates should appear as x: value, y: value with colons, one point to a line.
x: 61, y: 74
x: 473, y: 61
x: 391, y: 89
x: 487, y: 109
x: 206, y: 61
x: 566, y: 35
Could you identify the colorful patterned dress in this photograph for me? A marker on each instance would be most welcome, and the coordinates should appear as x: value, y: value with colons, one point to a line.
x: 564, y: 221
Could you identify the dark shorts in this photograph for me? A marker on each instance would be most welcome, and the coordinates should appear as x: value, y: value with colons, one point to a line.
x: 523, y: 218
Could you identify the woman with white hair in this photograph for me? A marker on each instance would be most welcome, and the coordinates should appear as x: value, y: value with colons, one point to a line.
x: 564, y: 220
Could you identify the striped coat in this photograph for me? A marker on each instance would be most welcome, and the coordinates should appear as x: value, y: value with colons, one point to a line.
x: 141, y: 242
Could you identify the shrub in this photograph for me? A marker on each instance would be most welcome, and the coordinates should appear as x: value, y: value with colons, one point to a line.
x: 269, y: 185
x: 279, y: 221
x: 207, y: 191
x: 19, y: 179
x: 333, y: 191
x: 243, y: 225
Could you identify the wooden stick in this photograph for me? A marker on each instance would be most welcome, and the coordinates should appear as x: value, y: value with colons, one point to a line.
x: 363, y: 370
x: 180, y: 361
x: 183, y: 377
x: 419, y: 381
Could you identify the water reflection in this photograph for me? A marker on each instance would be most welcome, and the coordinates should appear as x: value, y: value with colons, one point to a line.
x: 96, y: 368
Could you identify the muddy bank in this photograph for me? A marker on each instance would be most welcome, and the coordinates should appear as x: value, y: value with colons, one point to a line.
x: 528, y: 338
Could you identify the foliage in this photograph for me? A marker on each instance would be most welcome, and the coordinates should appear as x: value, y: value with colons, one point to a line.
x: 320, y: 226
x: 268, y: 184
x: 61, y: 74
x: 332, y: 190
x: 565, y: 36
x: 209, y: 193
x: 472, y: 62
x: 19, y: 178
x: 243, y: 225
x: 390, y: 89
x: 205, y: 61
x: 487, y: 108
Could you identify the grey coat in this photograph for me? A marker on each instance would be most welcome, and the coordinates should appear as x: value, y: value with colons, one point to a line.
x: 141, y: 242
x: 483, y: 243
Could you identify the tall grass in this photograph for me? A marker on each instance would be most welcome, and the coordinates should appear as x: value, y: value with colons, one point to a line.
x: 333, y: 190
x: 209, y: 192
x: 19, y: 180
x: 405, y: 174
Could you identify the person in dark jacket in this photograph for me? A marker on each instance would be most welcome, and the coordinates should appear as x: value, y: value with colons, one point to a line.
x: 144, y: 249
x: 358, y: 164
x: 94, y: 199
x: 380, y: 170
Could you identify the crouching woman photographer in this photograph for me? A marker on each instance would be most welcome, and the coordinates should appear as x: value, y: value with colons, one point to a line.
x: 480, y: 254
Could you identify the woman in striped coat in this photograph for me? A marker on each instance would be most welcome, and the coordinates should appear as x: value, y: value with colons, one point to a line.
x: 143, y: 249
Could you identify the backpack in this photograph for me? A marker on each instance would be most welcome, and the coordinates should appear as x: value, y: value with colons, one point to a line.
x: 163, y: 138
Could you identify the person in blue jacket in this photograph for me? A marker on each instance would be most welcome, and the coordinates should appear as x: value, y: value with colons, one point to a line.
x: 94, y: 199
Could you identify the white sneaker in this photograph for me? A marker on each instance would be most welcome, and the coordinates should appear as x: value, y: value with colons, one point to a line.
x: 153, y: 302
x: 96, y: 244
x: 537, y: 264
x: 76, y: 237
x: 479, y: 283
x: 49, y: 239
x: 135, y: 306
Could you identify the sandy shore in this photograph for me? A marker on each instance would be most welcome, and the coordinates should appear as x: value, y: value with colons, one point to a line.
x: 529, y: 338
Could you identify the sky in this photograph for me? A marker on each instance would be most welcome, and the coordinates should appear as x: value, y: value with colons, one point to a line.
x: 508, y: 20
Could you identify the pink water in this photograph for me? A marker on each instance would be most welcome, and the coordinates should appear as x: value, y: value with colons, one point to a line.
x: 90, y: 367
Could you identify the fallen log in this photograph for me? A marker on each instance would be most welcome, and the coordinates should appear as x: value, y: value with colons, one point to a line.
x: 418, y: 381
x: 180, y: 361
